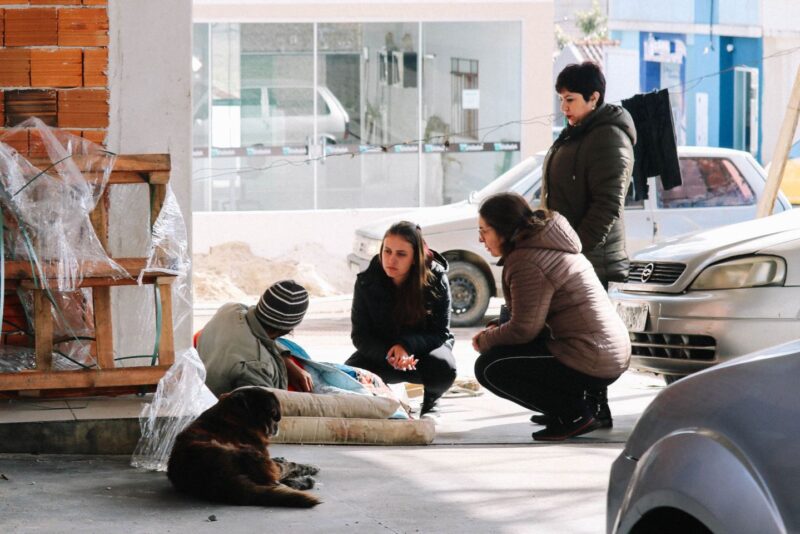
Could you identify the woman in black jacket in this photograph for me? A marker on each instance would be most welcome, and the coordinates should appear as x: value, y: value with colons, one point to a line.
x: 401, y: 315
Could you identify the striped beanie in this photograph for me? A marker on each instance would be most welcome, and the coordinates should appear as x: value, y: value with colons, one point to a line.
x: 283, y: 305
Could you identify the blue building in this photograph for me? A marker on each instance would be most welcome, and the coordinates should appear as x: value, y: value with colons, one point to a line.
x: 708, y: 53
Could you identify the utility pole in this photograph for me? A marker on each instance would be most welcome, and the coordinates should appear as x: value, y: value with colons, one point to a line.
x: 781, y: 153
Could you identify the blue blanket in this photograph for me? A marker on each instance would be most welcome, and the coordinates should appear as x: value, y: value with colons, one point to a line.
x: 332, y: 377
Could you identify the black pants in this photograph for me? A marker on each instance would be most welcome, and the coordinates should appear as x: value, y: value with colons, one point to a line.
x: 436, y: 371
x: 530, y: 376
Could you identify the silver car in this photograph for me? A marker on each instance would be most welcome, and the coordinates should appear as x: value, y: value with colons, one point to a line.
x: 693, y: 302
x: 720, y: 186
x: 715, y: 452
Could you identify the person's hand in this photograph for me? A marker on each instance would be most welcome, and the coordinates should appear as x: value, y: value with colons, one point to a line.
x: 399, y: 358
x: 298, y: 377
x: 475, y: 340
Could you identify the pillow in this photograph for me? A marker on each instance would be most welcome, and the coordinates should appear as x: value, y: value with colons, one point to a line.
x: 299, y: 404
x: 341, y: 431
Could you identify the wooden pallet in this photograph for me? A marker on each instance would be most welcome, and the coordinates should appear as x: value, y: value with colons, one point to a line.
x: 153, y: 170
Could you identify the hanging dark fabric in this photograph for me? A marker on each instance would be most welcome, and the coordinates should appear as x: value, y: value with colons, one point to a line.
x: 656, y: 150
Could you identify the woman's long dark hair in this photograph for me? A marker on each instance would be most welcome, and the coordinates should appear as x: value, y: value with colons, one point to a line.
x: 512, y: 218
x: 410, y: 305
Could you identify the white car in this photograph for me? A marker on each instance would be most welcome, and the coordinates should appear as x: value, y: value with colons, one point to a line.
x: 720, y: 186
x: 715, y: 452
x: 273, y: 114
x: 692, y: 302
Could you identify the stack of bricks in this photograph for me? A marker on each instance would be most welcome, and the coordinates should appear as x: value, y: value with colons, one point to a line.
x: 53, y: 65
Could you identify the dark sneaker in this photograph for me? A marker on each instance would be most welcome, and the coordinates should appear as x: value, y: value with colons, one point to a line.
x: 603, y: 417
x: 541, y: 419
x: 430, y: 409
x: 559, y: 431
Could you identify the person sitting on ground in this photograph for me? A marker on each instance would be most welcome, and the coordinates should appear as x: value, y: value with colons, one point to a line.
x: 238, y: 347
x: 401, y: 315
x: 562, y: 336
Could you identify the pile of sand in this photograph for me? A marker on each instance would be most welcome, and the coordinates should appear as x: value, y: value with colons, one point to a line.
x: 231, y: 272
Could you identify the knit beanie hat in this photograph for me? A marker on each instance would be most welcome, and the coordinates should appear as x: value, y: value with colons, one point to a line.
x: 283, y: 305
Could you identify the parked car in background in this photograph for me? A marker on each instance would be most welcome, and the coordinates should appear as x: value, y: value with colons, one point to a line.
x: 272, y: 114
x: 715, y: 452
x: 720, y: 186
x: 693, y: 302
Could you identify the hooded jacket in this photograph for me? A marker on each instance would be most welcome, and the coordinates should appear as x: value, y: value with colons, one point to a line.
x: 237, y: 351
x: 587, y: 172
x: 547, y: 282
x: 375, y: 328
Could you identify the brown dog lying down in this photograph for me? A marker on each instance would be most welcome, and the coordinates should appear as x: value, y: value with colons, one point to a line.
x: 222, y: 455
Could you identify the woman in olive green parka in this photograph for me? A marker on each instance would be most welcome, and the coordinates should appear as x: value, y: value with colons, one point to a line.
x: 588, y: 169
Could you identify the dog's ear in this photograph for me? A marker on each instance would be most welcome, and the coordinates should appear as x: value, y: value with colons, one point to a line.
x: 240, y: 399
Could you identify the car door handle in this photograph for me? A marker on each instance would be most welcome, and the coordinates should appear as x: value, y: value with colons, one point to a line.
x: 655, y: 229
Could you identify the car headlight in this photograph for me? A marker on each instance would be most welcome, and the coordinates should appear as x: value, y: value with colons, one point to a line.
x: 366, y: 247
x: 754, y: 271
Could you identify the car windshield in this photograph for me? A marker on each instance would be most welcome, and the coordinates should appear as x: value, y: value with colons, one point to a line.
x: 518, y: 179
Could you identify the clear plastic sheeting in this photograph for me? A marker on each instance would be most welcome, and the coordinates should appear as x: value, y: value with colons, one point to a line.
x: 46, y: 203
x: 181, y: 396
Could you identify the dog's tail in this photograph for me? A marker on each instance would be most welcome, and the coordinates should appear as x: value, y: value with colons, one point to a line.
x: 280, y: 495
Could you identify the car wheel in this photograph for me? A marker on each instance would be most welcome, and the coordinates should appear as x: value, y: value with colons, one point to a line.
x: 470, y: 293
x: 671, y: 379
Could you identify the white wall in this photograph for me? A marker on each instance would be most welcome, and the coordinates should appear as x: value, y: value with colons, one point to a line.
x: 150, y: 80
x: 274, y: 233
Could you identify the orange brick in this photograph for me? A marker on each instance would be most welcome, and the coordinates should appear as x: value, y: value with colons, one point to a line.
x: 36, y: 148
x: 95, y: 64
x: 82, y: 27
x: 2, y: 109
x: 95, y: 2
x: 2, y: 25
x: 55, y: 2
x: 13, y: 2
x: 15, y: 67
x: 18, y: 140
x: 83, y: 108
x: 56, y: 68
x: 31, y: 27
x: 95, y: 136
x: 20, y: 105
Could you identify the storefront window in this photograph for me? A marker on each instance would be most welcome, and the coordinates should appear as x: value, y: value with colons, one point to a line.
x: 352, y: 115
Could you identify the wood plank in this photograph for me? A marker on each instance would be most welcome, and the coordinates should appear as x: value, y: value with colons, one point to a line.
x: 43, y: 328
x: 159, y: 177
x: 21, y: 270
x: 103, y: 333
x: 92, y: 282
x: 126, y: 376
x: 123, y: 163
x: 166, y: 346
x: 158, y: 194
x: 99, y: 218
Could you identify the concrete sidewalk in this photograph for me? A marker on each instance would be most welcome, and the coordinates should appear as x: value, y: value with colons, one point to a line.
x: 483, y: 473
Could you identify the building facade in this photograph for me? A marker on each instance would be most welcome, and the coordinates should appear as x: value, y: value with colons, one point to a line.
x: 723, y: 61
x: 376, y: 104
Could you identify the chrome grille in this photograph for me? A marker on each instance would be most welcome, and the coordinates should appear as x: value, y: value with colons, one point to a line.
x: 646, y: 272
x: 673, y: 346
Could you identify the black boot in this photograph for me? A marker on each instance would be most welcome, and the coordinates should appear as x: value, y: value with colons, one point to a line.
x: 430, y: 405
x: 602, y: 414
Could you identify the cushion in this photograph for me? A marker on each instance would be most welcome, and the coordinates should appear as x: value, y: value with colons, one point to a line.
x: 341, y: 431
x: 300, y: 404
